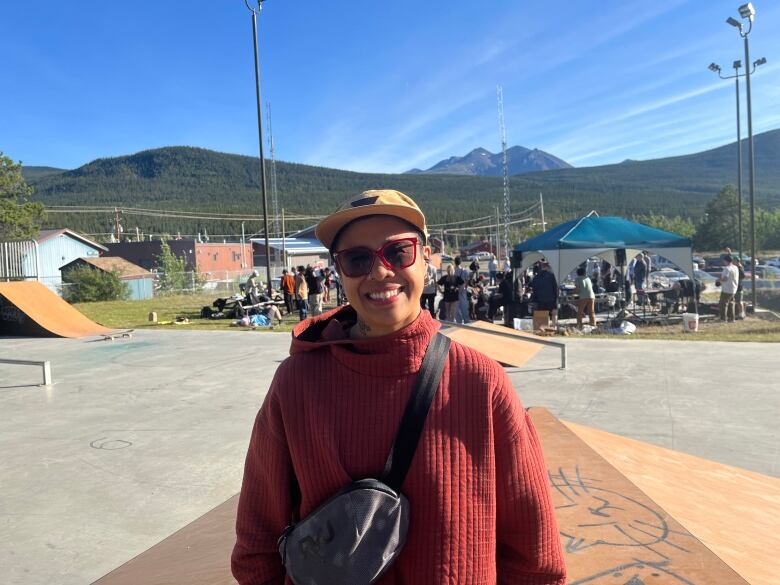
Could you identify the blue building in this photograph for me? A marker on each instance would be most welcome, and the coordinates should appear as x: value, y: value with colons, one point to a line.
x: 59, y: 247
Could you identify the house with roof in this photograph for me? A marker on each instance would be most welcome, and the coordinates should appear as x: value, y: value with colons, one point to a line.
x: 139, y: 281
x: 58, y: 247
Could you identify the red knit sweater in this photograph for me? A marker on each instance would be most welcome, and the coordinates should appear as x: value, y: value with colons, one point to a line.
x: 481, y: 510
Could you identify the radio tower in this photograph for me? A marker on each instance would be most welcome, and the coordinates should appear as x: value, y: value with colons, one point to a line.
x: 274, y: 194
x: 502, y: 128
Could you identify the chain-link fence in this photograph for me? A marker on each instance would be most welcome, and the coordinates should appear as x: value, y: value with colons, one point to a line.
x: 219, y: 282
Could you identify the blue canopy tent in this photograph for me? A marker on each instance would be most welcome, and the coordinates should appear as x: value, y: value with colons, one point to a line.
x: 614, y: 239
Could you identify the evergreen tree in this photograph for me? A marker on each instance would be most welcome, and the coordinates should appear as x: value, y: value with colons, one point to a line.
x: 173, y: 268
x: 19, y: 218
x: 720, y: 227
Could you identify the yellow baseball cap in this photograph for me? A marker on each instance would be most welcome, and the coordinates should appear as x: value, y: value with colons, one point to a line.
x: 376, y: 202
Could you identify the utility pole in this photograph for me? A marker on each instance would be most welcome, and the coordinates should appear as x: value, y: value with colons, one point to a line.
x: 502, y: 128
x: 254, y: 12
x: 284, y: 250
x: 748, y: 12
x: 243, y: 252
x: 117, y: 225
x: 274, y: 192
x: 541, y: 204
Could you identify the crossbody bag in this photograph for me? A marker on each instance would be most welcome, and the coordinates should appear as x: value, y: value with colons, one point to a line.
x: 357, y: 534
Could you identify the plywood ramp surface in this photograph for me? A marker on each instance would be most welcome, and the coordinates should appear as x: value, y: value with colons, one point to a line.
x: 735, y: 512
x: 612, y: 532
x: 198, y: 554
x: 34, y: 302
x: 514, y: 352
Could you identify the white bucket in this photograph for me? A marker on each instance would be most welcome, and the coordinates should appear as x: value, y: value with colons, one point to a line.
x: 523, y: 324
x: 690, y: 322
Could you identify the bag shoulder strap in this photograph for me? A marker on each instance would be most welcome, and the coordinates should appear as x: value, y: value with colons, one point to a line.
x: 402, y: 452
x: 424, y: 390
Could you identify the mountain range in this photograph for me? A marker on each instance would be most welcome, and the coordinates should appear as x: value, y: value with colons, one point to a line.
x: 196, y: 179
x: 483, y: 163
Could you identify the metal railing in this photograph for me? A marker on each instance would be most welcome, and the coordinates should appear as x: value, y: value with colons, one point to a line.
x: 19, y: 260
x: 45, y: 365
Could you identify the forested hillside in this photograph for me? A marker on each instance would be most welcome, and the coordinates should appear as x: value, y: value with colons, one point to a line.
x: 195, y: 179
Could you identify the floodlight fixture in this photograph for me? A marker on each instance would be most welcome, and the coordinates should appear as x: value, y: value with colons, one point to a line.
x: 714, y: 67
x: 761, y: 61
x: 734, y: 22
x: 737, y: 64
x: 747, y: 11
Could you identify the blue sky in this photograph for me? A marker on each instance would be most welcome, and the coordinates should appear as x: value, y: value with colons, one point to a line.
x: 379, y: 87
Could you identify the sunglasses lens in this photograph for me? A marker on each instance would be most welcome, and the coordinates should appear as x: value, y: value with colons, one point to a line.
x: 400, y: 254
x: 356, y: 261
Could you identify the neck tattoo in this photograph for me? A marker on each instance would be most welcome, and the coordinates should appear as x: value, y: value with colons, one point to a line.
x: 362, y: 328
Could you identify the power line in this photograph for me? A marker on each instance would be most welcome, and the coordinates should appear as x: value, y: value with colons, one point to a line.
x: 175, y: 214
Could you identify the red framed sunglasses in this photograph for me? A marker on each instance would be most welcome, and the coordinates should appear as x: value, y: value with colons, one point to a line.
x: 359, y: 261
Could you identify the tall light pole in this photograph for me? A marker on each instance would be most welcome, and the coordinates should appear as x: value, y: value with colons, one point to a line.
x: 715, y: 68
x: 747, y: 12
x: 255, y: 11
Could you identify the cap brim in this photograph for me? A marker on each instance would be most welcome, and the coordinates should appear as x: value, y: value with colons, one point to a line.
x: 327, y: 229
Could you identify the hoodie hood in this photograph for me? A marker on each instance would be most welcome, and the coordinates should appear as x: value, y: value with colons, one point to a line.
x: 400, y: 352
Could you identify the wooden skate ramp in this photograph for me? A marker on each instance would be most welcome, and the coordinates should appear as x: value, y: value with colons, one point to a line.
x: 733, y: 511
x: 30, y: 309
x: 612, y: 532
x: 510, y: 347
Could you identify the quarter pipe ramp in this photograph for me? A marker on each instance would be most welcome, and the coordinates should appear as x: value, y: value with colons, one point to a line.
x: 30, y: 309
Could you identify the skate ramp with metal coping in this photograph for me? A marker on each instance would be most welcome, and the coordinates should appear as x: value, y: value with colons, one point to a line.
x: 30, y: 309
x: 613, y: 532
x: 502, y: 344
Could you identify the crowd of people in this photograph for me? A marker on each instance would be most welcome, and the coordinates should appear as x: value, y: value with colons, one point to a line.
x: 470, y: 293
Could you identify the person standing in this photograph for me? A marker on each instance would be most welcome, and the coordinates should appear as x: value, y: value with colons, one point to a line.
x: 327, y: 280
x: 500, y: 297
x: 729, y: 281
x: 337, y: 284
x: 450, y: 285
x: 288, y: 290
x: 544, y: 291
x: 492, y: 269
x: 640, y: 274
x: 739, y: 303
x: 429, y: 288
x: 462, y: 309
x: 302, y: 294
x: 481, y: 509
x: 252, y: 288
x: 583, y: 286
x: 314, y: 283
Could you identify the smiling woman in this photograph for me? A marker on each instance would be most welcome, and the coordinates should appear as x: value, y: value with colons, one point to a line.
x: 477, y: 489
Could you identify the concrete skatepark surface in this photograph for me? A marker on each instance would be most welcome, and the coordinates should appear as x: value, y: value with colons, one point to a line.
x: 139, y: 437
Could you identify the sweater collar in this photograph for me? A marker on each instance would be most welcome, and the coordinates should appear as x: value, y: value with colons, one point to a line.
x: 389, y: 356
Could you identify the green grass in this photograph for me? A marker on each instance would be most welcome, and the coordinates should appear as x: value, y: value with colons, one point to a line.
x: 135, y: 314
x: 751, y: 329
